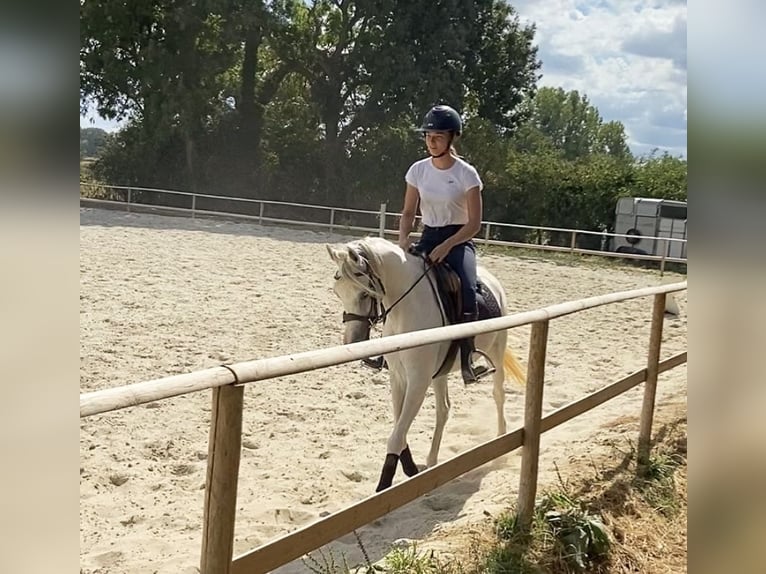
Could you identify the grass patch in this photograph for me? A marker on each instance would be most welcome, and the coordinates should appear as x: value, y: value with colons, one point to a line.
x: 564, y: 537
x: 609, y: 519
x: 401, y: 560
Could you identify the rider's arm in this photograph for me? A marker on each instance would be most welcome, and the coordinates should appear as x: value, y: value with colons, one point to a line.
x: 407, y: 219
x: 472, y: 227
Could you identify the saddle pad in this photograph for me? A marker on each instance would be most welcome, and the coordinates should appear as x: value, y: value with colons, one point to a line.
x: 488, y: 305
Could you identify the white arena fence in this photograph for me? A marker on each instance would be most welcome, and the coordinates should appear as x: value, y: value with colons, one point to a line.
x: 342, y: 219
x: 226, y: 382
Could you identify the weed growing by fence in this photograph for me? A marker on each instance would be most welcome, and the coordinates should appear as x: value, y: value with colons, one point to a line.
x: 401, y: 560
x: 564, y: 536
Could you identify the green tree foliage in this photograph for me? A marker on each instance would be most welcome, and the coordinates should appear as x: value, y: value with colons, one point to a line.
x: 92, y: 141
x: 661, y: 176
x: 160, y: 63
x: 568, y: 123
x: 319, y: 102
x: 565, y: 167
x: 370, y: 63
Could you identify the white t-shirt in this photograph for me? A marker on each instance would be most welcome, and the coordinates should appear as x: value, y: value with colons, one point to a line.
x: 443, y: 192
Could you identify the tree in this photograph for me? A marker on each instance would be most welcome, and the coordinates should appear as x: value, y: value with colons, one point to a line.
x: 158, y: 62
x: 568, y: 123
x: 501, y: 64
x: 92, y: 141
x: 662, y: 176
x: 368, y: 63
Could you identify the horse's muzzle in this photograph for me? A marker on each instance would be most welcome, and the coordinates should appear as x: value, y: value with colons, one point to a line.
x: 357, y: 328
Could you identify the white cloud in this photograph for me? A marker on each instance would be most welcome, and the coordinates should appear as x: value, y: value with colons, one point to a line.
x: 628, y: 57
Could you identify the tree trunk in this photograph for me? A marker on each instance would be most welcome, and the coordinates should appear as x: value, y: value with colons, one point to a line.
x: 335, y: 192
x: 190, y: 161
x: 248, y: 144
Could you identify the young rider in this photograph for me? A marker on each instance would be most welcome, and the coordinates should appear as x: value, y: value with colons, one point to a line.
x: 448, y: 190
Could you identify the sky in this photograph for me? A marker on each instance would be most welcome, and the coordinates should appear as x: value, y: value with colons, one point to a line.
x: 628, y: 57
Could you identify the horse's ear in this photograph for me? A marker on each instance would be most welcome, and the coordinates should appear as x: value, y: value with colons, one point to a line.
x: 353, y: 254
x: 338, y: 253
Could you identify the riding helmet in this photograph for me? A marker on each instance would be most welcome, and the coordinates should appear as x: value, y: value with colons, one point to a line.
x: 442, y: 118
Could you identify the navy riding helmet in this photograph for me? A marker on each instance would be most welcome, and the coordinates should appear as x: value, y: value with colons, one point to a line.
x: 442, y: 118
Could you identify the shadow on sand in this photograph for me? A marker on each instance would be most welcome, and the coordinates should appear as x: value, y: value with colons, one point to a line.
x: 412, y: 522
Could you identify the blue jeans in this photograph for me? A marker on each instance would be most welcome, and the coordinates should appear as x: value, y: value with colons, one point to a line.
x: 462, y: 258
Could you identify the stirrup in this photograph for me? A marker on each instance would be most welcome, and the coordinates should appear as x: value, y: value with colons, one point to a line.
x: 472, y: 374
x: 374, y: 363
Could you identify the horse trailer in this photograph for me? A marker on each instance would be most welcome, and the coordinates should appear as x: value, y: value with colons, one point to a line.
x: 643, y: 218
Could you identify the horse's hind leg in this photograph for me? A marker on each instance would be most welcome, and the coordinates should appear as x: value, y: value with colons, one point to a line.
x: 441, y: 395
x: 497, y: 354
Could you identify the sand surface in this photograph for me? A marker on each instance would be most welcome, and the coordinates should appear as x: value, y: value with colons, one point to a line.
x: 165, y: 295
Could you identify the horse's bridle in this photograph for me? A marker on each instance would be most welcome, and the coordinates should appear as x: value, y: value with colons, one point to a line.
x: 378, y: 312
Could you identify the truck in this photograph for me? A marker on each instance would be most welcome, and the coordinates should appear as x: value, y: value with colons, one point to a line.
x: 642, y: 219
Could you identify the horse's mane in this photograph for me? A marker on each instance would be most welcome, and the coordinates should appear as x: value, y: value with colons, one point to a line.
x: 370, y: 251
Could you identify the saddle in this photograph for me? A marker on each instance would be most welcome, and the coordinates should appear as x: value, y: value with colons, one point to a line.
x: 450, y: 293
x: 448, y: 287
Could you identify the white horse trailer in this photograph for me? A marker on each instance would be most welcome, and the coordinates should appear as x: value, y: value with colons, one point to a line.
x: 643, y: 218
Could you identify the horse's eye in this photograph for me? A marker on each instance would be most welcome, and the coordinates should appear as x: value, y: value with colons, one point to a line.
x: 364, y: 295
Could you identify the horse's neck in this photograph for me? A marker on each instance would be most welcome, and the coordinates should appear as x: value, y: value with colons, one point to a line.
x: 413, y: 300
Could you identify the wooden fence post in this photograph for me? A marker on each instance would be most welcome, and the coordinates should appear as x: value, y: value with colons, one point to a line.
x: 650, y: 388
x: 533, y: 410
x: 222, y: 475
x: 665, y: 252
x: 382, y: 221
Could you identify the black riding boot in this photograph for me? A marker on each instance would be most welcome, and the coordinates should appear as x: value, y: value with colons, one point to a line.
x: 472, y: 373
x: 375, y: 363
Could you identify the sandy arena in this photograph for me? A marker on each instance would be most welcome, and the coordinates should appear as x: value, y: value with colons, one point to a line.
x: 166, y: 295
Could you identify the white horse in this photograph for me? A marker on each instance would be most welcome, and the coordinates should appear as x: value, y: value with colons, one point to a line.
x: 374, y: 272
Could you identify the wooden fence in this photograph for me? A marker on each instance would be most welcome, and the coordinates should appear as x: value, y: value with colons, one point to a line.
x: 226, y: 426
x: 331, y: 218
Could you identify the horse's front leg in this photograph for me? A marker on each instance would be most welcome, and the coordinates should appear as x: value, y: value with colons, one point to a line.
x: 406, y: 407
x: 389, y: 468
x: 398, y: 386
x: 388, y: 472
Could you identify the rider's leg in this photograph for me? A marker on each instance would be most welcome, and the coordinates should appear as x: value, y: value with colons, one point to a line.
x: 463, y: 260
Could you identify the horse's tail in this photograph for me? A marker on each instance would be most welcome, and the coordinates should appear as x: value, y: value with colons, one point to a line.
x: 513, y: 367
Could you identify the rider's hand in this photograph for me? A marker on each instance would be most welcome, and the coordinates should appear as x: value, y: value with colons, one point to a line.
x: 405, y: 244
x: 440, y: 252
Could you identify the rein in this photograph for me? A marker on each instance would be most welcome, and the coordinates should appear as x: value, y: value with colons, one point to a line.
x: 378, y: 313
x: 427, y: 268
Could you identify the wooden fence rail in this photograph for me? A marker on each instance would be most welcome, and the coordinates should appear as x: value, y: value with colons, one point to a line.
x: 225, y: 432
x: 325, y: 530
x: 326, y: 218
x: 106, y: 400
